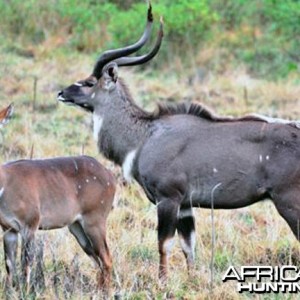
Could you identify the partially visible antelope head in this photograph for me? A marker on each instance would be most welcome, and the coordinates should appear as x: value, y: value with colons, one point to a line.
x: 96, y: 90
x: 5, y: 115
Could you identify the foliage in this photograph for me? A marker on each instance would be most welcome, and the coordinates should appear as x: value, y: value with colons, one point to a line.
x: 263, y: 34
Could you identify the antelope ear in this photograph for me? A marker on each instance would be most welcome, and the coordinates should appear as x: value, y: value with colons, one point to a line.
x: 111, y: 71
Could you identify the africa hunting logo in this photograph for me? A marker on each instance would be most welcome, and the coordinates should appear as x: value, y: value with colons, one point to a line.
x: 265, y: 279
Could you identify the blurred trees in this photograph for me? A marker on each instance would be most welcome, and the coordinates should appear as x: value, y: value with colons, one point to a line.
x: 263, y: 34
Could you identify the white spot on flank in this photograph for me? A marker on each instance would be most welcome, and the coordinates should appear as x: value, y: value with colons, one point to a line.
x: 260, y: 158
x: 102, y: 202
x: 267, y: 157
x: 86, y: 180
x: 1, y: 192
x: 94, y: 177
x: 78, y: 84
x: 93, y: 95
x: 127, y: 165
x: 79, y: 186
x: 97, y: 120
x: 108, y: 183
x: 215, y: 170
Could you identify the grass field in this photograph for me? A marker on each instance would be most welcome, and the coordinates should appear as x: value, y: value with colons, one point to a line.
x: 255, y: 235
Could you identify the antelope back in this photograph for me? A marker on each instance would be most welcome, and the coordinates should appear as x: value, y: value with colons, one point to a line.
x: 57, y: 191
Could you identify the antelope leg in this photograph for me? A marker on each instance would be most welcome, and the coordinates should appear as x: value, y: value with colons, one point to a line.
x: 167, y: 219
x: 186, y: 232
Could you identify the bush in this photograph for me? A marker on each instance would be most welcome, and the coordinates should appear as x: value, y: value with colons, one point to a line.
x: 264, y: 34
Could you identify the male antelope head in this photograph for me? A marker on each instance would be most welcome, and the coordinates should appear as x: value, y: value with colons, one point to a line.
x: 95, y: 90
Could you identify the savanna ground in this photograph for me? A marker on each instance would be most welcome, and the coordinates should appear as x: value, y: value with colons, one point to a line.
x: 31, y: 76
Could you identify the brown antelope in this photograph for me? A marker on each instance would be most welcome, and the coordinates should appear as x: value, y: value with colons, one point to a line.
x: 5, y: 114
x: 184, y: 156
x: 77, y: 192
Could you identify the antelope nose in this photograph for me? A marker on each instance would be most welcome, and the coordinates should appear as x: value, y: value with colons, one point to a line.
x: 60, y: 96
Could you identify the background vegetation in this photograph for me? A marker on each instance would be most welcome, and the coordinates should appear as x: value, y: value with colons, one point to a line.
x: 263, y: 34
x: 235, y: 56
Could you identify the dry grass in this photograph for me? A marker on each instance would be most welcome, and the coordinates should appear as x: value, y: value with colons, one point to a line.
x: 249, y: 236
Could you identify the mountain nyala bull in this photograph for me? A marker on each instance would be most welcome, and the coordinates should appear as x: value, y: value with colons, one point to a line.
x: 184, y: 156
x: 77, y: 192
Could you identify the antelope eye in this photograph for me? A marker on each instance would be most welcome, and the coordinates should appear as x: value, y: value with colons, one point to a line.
x: 89, y: 83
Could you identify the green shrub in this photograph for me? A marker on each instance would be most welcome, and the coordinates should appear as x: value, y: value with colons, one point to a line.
x: 263, y: 34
